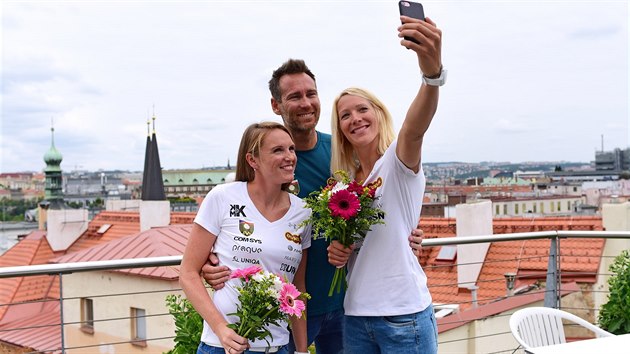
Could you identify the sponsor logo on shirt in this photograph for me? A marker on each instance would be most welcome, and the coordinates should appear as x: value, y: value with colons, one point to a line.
x: 246, y: 228
x: 376, y: 184
x: 293, y: 238
x: 295, y: 249
x: 237, y: 211
x: 287, y: 268
x: 294, y: 187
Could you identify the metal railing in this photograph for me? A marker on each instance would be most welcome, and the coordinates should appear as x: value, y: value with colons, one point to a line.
x: 553, y: 276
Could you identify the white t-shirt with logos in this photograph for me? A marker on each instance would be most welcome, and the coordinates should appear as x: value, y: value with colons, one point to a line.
x: 246, y: 238
x: 384, y: 276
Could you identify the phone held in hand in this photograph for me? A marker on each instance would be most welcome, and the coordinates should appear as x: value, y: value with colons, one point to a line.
x: 411, y: 9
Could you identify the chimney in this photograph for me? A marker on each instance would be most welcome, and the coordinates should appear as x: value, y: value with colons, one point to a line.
x: 473, y: 219
x: 509, y: 283
x: 122, y: 204
x: 64, y: 226
x: 43, y: 214
x: 154, y: 213
x: 473, y: 294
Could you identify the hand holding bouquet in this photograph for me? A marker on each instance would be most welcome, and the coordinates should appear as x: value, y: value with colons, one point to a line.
x: 264, y: 299
x: 343, y: 211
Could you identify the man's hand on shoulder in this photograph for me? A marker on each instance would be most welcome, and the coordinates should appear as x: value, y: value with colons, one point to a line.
x: 415, y: 241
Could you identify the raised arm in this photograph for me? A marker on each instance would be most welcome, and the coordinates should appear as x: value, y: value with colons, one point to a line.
x: 424, y: 105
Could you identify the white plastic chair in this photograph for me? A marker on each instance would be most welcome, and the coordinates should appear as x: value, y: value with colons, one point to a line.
x: 542, y: 326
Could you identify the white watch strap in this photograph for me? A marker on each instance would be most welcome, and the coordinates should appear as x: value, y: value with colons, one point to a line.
x: 439, y: 81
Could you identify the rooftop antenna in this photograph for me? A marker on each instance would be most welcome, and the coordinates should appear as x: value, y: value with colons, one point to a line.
x: 52, y: 130
x: 153, y: 118
x: 148, y: 124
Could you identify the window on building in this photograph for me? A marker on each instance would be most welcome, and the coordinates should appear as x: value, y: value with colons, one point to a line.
x: 559, y: 206
x: 516, y: 209
x: 103, y: 229
x: 524, y: 209
x: 569, y: 206
x: 138, y: 326
x: 542, y: 208
x: 575, y: 189
x: 497, y: 210
x: 87, y: 315
x: 447, y: 253
x: 505, y: 209
x: 534, y: 207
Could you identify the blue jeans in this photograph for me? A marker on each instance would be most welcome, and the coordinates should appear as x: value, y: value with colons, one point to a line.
x: 326, y: 331
x: 415, y: 333
x: 207, y: 349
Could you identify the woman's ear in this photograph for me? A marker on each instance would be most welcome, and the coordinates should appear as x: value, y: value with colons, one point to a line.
x: 251, y: 161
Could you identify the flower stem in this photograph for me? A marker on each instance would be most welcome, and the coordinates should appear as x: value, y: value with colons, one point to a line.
x: 244, y: 335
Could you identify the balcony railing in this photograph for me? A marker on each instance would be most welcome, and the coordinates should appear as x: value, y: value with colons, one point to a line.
x: 73, y: 320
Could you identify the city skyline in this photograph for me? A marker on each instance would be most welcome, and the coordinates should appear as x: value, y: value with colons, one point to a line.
x: 539, y: 81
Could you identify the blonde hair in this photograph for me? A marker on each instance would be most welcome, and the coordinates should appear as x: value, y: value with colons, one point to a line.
x: 251, y: 142
x: 343, y: 155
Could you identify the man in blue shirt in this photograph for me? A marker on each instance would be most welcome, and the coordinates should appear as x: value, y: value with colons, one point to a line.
x: 294, y: 96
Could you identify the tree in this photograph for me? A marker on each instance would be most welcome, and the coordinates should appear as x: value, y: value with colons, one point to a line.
x: 614, y: 315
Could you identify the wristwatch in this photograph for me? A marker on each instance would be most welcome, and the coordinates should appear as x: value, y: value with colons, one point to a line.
x: 435, y: 81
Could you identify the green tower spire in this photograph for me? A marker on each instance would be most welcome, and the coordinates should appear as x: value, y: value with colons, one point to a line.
x: 52, y: 171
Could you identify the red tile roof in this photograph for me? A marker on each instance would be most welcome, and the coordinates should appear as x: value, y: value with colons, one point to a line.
x: 41, y: 332
x: 123, y: 223
x: 528, y: 259
x: 33, y: 249
x: 461, y: 318
x: 156, y: 242
x: 182, y: 217
x: 123, y: 240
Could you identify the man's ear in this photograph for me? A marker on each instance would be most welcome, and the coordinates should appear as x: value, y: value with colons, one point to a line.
x: 275, y: 106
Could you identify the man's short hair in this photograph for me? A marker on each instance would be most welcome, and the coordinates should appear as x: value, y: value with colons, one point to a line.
x: 291, y: 66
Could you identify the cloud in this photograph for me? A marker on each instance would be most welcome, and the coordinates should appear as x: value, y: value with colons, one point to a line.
x: 596, y: 33
x: 511, y: 126
x: 526, y: 70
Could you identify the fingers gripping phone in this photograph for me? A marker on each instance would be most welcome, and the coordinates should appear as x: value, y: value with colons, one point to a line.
x: 411, y: 9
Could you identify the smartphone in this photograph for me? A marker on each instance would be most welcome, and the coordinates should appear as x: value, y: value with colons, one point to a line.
x: 411, y: 9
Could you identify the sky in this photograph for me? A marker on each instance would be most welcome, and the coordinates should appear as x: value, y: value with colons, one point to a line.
x: 527, y: 80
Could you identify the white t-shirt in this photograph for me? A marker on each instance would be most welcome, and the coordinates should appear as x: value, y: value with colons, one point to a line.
x: 384, y: 276
x: 245, y: 238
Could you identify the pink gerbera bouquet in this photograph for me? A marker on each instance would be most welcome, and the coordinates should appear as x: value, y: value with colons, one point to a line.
x: 343, y: 210
x: 264, y: 299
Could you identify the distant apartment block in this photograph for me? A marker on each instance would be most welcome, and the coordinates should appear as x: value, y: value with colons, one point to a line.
x: 22, y: 185
x: 539, y: 206
x: 192, y: 183
x: 616, y: 160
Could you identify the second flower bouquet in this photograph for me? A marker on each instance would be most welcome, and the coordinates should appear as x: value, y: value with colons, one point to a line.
x: 264, y: 299
x: 343, y: 210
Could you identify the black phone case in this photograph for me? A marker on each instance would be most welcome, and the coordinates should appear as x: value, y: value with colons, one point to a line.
x: 411, y: 9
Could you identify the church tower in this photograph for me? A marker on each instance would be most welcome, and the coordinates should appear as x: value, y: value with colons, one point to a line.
x: 152, y: 183
x: 155, y: 210
x: 52, y: 158
x: 63, y: 225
